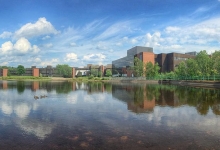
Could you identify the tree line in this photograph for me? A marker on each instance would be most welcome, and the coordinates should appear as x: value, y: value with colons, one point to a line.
x: 19, y: 70
x: 63, y: 70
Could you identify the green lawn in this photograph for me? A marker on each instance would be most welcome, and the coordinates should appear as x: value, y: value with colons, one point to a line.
x: 25, y: 78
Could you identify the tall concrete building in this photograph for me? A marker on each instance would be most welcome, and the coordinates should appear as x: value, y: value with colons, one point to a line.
x: 129, y: 59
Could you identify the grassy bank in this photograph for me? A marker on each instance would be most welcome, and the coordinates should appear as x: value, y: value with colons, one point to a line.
x: 87, y: 79
x: 24, y: 78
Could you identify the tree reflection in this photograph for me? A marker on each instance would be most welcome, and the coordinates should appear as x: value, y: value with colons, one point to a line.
x: 169, y: 95
x: 20, y: 87
x: 64, y: 87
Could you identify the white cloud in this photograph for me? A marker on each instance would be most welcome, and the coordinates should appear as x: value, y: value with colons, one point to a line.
x: 176, y: 46
x: 35, y: 49
x: 94, y: 57
x: 184, y: 39
x: 46, y: 37
x: 49, y: 45
x: 37, y: 60
x: 5, y: 35
x: 134, y: 41
x: 73, y: 44
x: 41, y: 27
x: 51, y: 62
x: 21, y: 46
x: 153, y: 40
x: 118, y: 44
x: 125, y: 38
x: 7, y: 46
x: 101, y: 46
x: 115, y: 30
x: 171, y: 29
x: 4, y: 64
x: 71, y: 57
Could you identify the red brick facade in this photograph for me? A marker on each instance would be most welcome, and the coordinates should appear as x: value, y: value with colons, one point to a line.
x: 4, y: 72
x: 146, y: 57
x: 35, y: 72
x: 73, y: 72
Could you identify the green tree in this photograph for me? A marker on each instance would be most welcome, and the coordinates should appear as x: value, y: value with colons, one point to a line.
x: 94, y: 71
x: 108, y: 73
x: 181, y: 69
x: 192, y: 68
x: 151, y: 70
x: 64, y: 70
x: 99, y: 74
x: 216, y: 63
x: 20, y: 70
x: 204, y: 63
x: 138, y: 67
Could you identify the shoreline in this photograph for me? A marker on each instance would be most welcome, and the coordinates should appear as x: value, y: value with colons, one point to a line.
x: 190, y: 83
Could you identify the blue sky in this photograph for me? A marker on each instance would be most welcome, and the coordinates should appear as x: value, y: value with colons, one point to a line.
x: 80, y: 32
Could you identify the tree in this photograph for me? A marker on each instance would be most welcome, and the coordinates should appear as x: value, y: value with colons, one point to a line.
x: 181, y: 69
x: 108, y: 73
x: 204, y: 63
x: 216, y: 63
x: 151, y: 70
x: 20, y: 70
x: 138, y: 67
x: 94, y: 72
x: 192, y: 68
x: 64, y: 70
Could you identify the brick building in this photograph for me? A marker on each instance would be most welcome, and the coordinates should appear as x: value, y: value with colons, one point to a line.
x: 167, y: 62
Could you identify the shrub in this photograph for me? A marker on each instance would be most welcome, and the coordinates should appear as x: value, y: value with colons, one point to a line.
x: 91, y: 77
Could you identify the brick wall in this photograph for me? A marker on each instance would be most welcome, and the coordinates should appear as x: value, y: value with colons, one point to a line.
x: 73, y: 72
x: 35, y: 72
x: 4, y: 72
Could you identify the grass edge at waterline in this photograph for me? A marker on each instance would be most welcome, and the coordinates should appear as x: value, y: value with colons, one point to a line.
x: 24, y: 78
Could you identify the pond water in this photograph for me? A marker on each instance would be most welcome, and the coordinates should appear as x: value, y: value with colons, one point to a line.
x: 69, y: 115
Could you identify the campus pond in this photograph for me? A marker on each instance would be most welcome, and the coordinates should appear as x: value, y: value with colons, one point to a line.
x: 70, y: 115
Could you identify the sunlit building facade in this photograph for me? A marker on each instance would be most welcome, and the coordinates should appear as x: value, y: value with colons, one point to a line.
x: 167, y: 62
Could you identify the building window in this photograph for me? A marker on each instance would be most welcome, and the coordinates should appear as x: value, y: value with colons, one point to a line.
x: 141, y: 57
x: 179, y: 58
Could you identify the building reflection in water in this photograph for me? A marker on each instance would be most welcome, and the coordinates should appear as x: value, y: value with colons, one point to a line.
x: 136, y: 97
x: 4, y: 84
x: 143, y: 98
x: 140, y: 98
x: 35, y: 85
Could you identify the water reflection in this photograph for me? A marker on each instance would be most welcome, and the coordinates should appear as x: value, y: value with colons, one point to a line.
x: 139, y: 98
x: 84, y: 115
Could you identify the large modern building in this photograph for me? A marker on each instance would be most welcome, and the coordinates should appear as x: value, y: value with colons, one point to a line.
x: 129, y: 59
x: 167, y: 62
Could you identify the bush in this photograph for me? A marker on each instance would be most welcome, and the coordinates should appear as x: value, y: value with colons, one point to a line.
x: 91, y: 77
